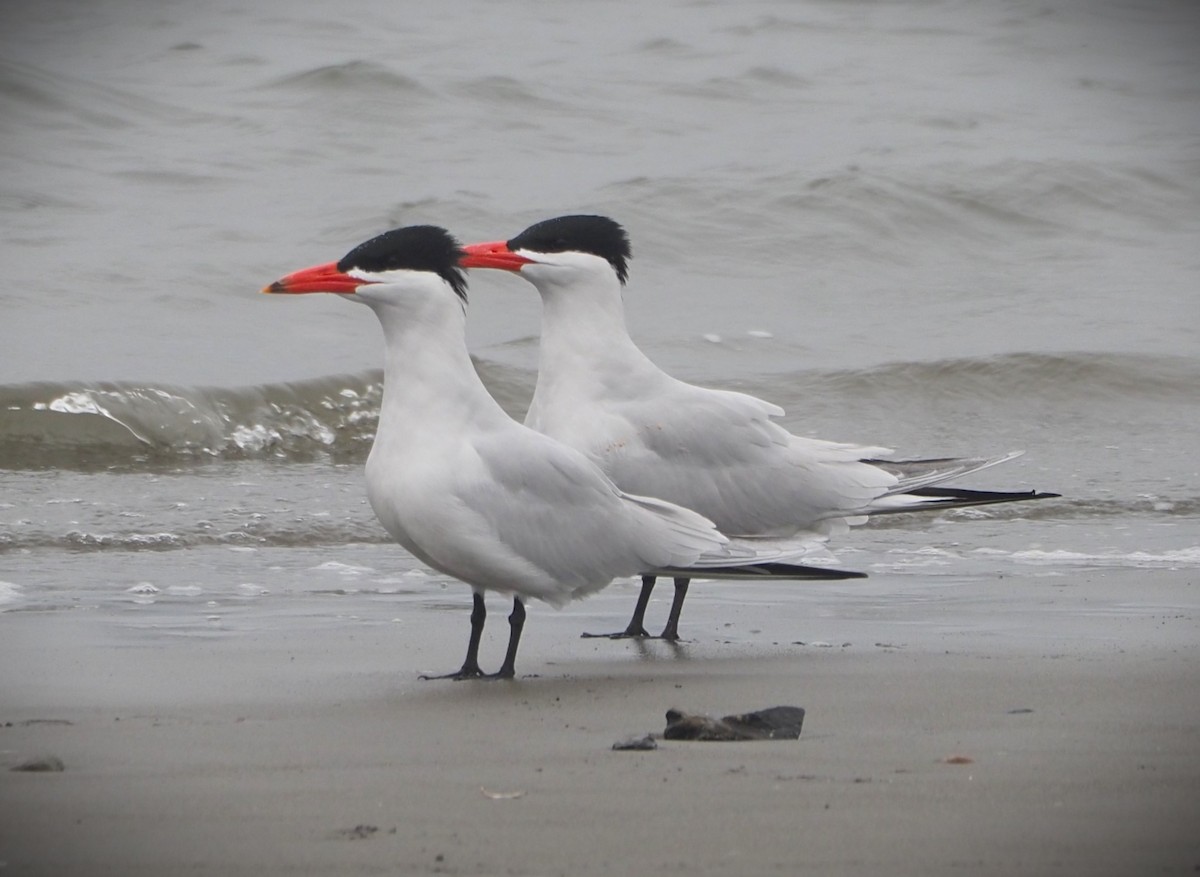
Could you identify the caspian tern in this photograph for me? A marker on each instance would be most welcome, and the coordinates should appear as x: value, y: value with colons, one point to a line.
x: 714, y: 451
x: 468, y: 490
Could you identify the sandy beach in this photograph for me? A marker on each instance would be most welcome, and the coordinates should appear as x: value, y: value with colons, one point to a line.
x: 945, y: 734
x: 952, y: 229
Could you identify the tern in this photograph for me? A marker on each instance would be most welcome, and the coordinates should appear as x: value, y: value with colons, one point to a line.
x: 471, y: 492
x: 717, y: 452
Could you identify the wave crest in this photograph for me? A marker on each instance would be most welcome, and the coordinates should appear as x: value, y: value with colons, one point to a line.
x: 86, y: 425
x: 102, y: 425
x: 99, y: 425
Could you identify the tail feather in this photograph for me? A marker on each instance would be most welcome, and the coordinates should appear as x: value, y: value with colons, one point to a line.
x: 760, y: 571
x: 927, y: 498
x: 915, y: 490
x: 914, y: 474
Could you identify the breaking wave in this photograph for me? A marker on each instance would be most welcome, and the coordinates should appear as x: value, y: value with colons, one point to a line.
x: 100, y: 425
x: 267, y: 534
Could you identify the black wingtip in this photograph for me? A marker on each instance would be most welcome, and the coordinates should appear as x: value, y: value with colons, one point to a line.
x: 953, y: 497
x: 764, y: 571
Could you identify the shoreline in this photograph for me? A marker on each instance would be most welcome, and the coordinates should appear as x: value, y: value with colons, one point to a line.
x: 283, y: 751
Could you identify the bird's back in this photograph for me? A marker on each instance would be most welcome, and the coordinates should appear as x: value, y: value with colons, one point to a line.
x: 718, y: 452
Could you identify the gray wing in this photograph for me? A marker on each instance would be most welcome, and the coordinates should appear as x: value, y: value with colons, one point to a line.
x: 557, y: 519
x: 722, y: 454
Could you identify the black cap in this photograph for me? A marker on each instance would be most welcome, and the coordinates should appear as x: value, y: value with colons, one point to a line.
x: 597, y: 235
x: 413, y: 248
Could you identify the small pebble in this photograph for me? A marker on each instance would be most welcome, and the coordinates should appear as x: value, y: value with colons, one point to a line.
x: 43, y: 764
x: 643, y: 743
x: 358, y: 832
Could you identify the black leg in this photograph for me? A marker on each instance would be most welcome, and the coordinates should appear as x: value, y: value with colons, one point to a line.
x: 671, y: 631
x: 516, y: 623
x: 637, y: 624
x: 470, y: 668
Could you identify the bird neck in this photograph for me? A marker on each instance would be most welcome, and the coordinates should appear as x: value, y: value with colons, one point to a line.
x: 429, y: 381
x: 583, y: 328
x: 586, y: 359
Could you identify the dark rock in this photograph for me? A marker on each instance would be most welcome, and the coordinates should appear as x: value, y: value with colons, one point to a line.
x: 642, y: 743
x: 774, y: 723
x: 44, y: 764
x: 685, y: 726
x: 358, y: 832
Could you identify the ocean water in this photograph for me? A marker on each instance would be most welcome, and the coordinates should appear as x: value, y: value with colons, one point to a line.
x: 945, y: 227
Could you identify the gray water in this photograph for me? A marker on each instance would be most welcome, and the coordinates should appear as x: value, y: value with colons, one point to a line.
x: 945, y: 227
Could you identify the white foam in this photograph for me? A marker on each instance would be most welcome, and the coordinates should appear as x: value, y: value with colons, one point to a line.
x: 80, y: 402
x: 9, y: 593
x: 908, y: 559
x: 1137, y: 559
x: 144, y: 593
x: 185, y: 590
x: 72, y: 403
x: 343, y: 569
x: 254, y: 438
x: 927, y: 551
x: 259, y: 436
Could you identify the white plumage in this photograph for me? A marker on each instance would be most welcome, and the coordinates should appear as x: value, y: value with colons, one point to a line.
x: 714, y: 451
x: 464, y: 487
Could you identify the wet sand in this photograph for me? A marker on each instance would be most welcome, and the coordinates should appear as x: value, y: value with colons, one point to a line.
x: 986, y: 727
